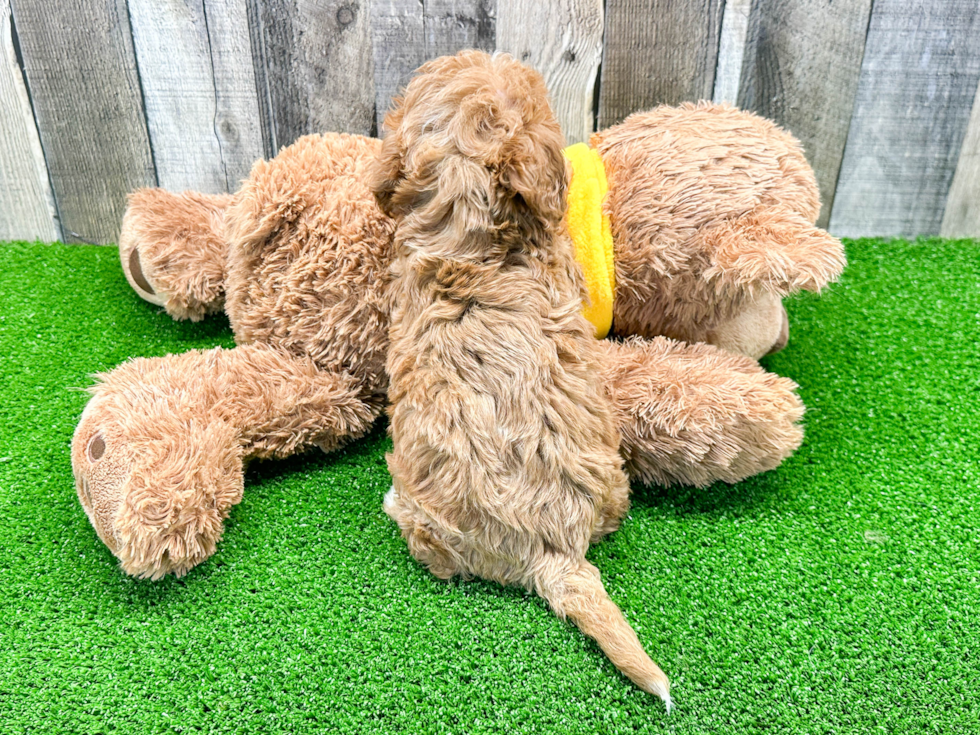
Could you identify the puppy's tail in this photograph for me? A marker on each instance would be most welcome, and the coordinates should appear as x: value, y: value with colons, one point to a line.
x: 575, y: 591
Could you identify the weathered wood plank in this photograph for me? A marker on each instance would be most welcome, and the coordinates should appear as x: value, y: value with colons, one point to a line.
x: 657, y: 52
x: 170, y: 38
x: 453, y: 25
x: 919, y: 76
x: 256, y: 38
x: 406, y: 33
x: 81, y: 72
x: 199, y: 90
x: 398, y: 38
x: 731, y: 50
x: 962, y: 215
x: 26, y: 208
x: 563, y: 40
x: 237, y: 123
x: 318, y: 67
x: 801, y: 67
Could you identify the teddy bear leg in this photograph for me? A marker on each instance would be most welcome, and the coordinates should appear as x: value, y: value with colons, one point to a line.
x: 695, y: 414
x: 160, y: 450
x: 173, y: 250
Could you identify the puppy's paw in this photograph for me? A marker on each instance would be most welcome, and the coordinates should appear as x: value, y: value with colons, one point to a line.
x: 391, y: 498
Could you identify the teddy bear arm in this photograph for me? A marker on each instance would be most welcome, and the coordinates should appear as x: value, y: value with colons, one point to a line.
x: 285, y: 403
x: 695, y: 414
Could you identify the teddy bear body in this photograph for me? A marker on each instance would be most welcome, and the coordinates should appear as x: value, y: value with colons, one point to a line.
x: 310, y: 277
x: 299, y: 258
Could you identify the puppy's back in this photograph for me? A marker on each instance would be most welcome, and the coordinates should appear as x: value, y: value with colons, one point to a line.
x: 505, y: 461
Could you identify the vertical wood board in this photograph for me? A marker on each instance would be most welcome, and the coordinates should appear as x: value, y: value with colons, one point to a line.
x: 407, y: 33
x: 801, y: 67
x: 260, y: 67
x: 454, y: 25
x: 918, y: 80
x: 657, y: 52
x: 962, y: 215
x: 731, y: 50
x: 398, y: 39
x: 237, y: 123
x: 199, y: 91
x: 317, y: 74
x: 563, y: 40
x: 26, y: 208
x: 81, y: 71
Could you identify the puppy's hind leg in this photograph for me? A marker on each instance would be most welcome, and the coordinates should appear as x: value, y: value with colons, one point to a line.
x: 425, y: 542
x: 574, y: 589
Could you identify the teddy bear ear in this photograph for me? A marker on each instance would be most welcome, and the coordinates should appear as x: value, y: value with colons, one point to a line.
x: 773, y: 250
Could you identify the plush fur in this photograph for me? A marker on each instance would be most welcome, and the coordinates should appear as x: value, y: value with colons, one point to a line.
x: 191, y: 279
x: 731, y: 231
x: 680, y: 422
x: 159, y: 504
x: 305, y: 290
x: 299, y: 258
x: 505, y: 461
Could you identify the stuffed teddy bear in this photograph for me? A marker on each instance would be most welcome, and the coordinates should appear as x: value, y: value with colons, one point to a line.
x: 707, y: 211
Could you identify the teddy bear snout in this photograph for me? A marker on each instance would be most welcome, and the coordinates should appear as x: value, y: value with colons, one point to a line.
x: 783, y: 339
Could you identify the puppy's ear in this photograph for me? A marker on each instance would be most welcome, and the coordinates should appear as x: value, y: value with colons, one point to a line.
x: 507, y: 124
x: 387, y: 170
x: 773, y: 250
x: 536, y: 170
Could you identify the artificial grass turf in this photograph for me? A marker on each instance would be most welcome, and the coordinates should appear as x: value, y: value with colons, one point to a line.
x: 836, y: 594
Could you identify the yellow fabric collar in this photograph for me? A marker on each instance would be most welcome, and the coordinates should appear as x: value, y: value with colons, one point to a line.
x: 592, y: 234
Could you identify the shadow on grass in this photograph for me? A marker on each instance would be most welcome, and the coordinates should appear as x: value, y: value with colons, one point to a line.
x: 369, y: 450
x: 715, y: 500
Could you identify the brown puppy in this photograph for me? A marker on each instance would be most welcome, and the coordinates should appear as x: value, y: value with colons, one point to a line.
x: 505, y: 461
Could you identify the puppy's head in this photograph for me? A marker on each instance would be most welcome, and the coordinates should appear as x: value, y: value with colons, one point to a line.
x: 473, y: 135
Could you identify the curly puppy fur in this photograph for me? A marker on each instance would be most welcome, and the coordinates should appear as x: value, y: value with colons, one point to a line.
x: 505, y: 461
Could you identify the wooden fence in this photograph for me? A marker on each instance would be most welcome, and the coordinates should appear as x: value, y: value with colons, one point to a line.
x: 98, y: 97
